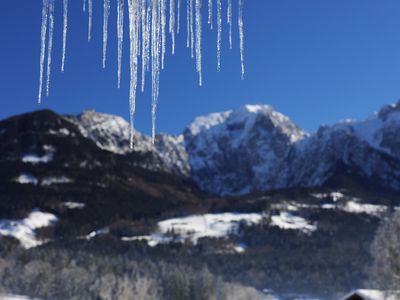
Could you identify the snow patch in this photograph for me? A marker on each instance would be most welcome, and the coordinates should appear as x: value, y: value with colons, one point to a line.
x: 362, y: 208
x: 24, y: 230
x: 195, y: 227
x: 36, y: 159
x: 26, y: 179
x: 286, y: 220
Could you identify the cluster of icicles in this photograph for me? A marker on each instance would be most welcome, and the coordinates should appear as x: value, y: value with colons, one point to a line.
x: 147, y: 32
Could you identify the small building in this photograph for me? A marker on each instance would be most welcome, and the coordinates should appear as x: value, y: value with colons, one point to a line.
x: 372, y: 295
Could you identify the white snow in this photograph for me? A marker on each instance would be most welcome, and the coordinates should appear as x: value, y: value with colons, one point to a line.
x: 74, y: 205
x: 61, y: 131
x: 36, y: 159
x: 24, y: 230
x: 335, y: 196
x: 95, y: 233
x: 369, y: 294
x: 26, y: 179
x: 47, y: 181
x: 363, y: 208
x: 286, y: 220
x: 195, y: 227
x: 208, y: 225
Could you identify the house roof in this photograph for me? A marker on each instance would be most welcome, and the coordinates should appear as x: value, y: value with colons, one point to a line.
x: 372, y: 295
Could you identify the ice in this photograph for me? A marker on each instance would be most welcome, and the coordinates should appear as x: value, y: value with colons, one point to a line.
x: 241, y: 35
x: 163, y: 24
x: 198, y: 42
x: 50, y: 44
x: 219, y: 34
x: 229, y: 21
x: 191, y: 27
x: 65, y: 27
x: 155, y: 62
x: 120, y: 34
x: 134, y: 52
x: 172, y: 24
x: 45, y: 12
x: 147, y: 26
x: 210, y: 13
x: 105, y: 29
x: 90, y: 14
x: 178, y: 21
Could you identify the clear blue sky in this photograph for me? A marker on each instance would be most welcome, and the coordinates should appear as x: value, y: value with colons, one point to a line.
x: 316, y: 61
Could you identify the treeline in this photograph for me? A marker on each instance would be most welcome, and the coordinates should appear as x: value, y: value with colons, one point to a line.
x: 59, y: 273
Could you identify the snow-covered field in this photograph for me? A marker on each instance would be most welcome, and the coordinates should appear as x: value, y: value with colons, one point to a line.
x: 24, y: 230
x: 195, y: 227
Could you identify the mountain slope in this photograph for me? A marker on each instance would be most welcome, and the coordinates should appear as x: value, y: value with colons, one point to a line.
x: 235, y: 151
x: 47, y: 164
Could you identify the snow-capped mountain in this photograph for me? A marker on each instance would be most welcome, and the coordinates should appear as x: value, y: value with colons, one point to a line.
x: 253, y: 148
x: 235, y: 152
x: 112, y: 133
x: 364, y: 150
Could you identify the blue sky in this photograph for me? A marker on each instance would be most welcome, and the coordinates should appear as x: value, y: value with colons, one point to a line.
x: 315, y: 61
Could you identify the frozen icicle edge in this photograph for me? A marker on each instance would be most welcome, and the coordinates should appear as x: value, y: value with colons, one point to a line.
x: 147, y: 26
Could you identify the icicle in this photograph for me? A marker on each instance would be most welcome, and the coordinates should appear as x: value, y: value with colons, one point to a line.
x: 90, y: 13
x: 172, y: 24
x: 105, y: 30
x: 84, y: 5
x: 229, y: 18
x: 219, y: 20
x: 65, y: 27
x: 146, y: 14
x: 45, y: 10
x: 163, y: 13
x: 120, y: 36
x: 178, y: 26
x: 134, y: 52
x: 241, y: 36
x: 155, y: 62
x: 210, y: 21
x: 191, y: 28
x: 187, y: 23
x: 198, y: 41
x: 50, y: 44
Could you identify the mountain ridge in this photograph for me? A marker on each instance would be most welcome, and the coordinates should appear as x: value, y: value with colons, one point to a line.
x: 255, y: 148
